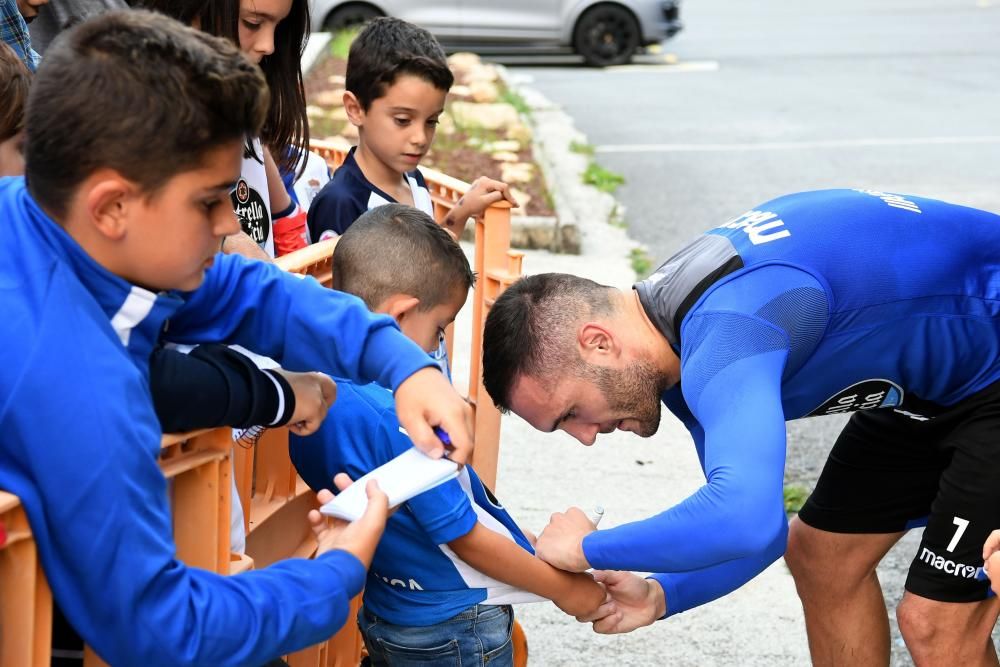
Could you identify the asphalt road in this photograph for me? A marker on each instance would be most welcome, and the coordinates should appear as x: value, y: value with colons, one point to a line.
x: 779, y: 96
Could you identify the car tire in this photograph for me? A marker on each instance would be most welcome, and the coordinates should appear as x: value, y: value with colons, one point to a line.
x: 350, y: 16
x: 606, y: 35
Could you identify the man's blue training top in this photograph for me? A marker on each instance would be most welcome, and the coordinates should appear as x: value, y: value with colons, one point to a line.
x: 811, y: 304
x: 415, y: 578
x: 80, y: 442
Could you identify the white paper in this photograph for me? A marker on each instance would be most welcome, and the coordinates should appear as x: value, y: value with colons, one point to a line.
x: 409, y: 474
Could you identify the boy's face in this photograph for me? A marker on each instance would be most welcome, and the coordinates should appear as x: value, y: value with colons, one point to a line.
x: 398, y: 127
x: 425, y: 327
x: 172, y: 236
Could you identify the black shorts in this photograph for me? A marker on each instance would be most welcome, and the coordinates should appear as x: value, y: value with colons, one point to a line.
x: 889, y: 472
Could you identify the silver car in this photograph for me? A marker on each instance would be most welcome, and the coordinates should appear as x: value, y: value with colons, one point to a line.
x: 604, y: 33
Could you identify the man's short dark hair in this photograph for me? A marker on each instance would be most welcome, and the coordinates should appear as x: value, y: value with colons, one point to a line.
x: 388, y: 48
x: 139, y: 93
x: 15, y: 80
x: 531, y: 330
x: 397, y: 249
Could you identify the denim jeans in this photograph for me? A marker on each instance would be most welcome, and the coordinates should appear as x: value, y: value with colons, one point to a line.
x: 478, y: 636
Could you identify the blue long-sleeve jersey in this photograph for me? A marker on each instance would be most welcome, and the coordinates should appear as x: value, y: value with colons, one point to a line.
x: 811, y: 304
x: 79, y: 442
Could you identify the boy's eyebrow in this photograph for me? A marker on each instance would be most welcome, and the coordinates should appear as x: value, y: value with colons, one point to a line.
x: 228, y: 186
x: 412, y: 110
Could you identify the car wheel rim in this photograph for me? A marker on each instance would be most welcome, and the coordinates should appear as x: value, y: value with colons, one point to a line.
x: 609, y: 36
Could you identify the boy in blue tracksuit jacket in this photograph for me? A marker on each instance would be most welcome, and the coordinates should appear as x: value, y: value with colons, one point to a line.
x: 109, y: 251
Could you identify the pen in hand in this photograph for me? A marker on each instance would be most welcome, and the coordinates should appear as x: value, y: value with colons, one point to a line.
x: 442, y: 436
x: 597, y: 515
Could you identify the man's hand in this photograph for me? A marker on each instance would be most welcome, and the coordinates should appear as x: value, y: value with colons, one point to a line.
x: 484, y: 193
x: 426, y: 399
x: 584, y: 598
x: 358, y: 538
x: 314, y: 394
x: 633, y: 602
x: 560, y: 543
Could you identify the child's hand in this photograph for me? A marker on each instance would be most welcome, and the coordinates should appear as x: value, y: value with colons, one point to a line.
x: 991, y: 560
x: 426, y: 399
x: 241, y: 244
x: 583, y: 598
x: 358, y: 538
x: 314, y: 394
x: 484, y: 193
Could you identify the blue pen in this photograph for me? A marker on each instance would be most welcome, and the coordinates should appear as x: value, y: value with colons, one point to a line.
x: 443, y: 435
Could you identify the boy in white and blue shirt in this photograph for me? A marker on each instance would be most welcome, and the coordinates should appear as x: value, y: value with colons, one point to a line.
x: 396, y: 83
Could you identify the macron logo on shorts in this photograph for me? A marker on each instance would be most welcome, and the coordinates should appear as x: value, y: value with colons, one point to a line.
x: 951, y: 567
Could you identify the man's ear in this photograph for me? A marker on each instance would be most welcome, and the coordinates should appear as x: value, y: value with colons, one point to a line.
x: 597, y: 343
x: 398, y: 306
x: 109, y: 200
x: 352, y: 106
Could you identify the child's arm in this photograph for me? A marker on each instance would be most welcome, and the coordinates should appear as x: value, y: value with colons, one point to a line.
x: 494, y: 555
x: 483, y: 193
x: 305, y: 327
x: 288, y: 220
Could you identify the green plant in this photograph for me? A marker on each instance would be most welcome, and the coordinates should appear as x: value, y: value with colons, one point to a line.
x: 550, y: 201
x: 601, y: 178
x: 617, y: 217
x: 795, y: 496
x: 641, y: 262
x: 516, y: 101
x: 340, y: 43
x: 581, y: 147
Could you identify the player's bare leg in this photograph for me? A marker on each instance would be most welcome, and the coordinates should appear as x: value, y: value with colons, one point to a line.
x: 835, y: 576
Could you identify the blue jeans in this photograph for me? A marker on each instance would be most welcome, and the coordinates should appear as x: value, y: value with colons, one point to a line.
x: 478, y: 636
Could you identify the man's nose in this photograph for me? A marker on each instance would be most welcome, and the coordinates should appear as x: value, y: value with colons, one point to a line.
x: 585, y: 433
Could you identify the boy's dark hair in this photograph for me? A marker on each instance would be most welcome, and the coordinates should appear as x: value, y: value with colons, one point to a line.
x: 287, y: 124
x: 15, y: 80
x: 139, y: 93
x: 531, y: 330
x: 397, y: 249
x: 387, y: 48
